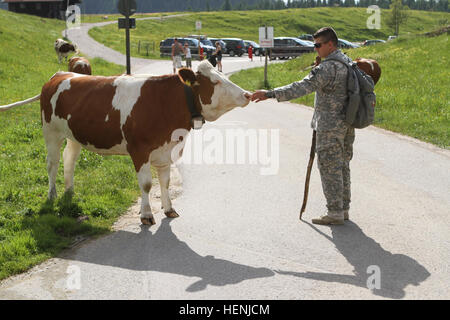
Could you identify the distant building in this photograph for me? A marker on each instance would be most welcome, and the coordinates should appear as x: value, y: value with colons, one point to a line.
x: 43, y: 8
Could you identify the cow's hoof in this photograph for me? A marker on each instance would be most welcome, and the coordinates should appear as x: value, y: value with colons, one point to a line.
x: 148, y: 221
x: 171, y: 214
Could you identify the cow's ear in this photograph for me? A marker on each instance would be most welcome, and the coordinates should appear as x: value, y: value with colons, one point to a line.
x: 187, y: 76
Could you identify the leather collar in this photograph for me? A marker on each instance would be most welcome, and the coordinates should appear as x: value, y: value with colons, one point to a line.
x: 197, y: 119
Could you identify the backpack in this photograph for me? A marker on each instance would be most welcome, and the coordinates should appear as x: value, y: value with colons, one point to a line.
x: 212, y: 60
x: 360, y: 108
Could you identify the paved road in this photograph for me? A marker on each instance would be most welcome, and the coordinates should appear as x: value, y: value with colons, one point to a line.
x: 239, y: 237
x: 93, y: 49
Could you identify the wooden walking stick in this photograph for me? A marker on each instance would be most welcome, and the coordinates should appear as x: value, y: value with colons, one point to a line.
x: 308, y: 172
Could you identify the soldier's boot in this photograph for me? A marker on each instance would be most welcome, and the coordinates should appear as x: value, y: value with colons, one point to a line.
x: 346, y: 215
x: 327, y: 220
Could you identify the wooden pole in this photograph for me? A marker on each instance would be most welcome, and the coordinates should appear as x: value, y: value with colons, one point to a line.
x: 308, y: 173
x: 127, y: 40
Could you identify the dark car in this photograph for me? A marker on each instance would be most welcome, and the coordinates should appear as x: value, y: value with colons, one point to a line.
x: 306, y: 37
x: 234, y: 46
x: 165, y: 46
x: 372, y: 42
x: 344, y: 44
x: 257, y: 50
x: 206, y: 44
x: 286, y: 47
x: 222, y: 44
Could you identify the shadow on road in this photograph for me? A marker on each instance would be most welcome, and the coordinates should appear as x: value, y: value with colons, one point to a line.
x: 397, y: 271
x: 162, y: 251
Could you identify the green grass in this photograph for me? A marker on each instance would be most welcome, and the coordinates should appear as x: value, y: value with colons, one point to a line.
x: 31, y: 228
x: 413, y: 96
x: 350, y: 24
x: 93, y: 18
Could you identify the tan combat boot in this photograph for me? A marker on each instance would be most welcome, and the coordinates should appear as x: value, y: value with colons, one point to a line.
x: 327, y: 220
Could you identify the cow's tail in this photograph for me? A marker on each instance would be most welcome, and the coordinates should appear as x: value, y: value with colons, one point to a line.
x: 19, y: 103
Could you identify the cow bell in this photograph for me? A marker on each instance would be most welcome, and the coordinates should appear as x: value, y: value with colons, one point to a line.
x: 197, y: 122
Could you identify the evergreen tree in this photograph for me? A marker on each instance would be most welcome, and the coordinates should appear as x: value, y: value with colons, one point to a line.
x: 226, y: 5
x: 443, y: 5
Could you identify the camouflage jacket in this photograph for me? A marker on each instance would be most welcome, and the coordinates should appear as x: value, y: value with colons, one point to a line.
x: 329, y: 81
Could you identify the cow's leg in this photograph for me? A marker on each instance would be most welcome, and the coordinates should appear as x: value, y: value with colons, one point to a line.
x: 145, y: 184
x: 70, y: 156
x: 53, y: 144
x: 164, y: 180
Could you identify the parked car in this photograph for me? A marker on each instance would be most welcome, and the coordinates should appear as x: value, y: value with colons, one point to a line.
x: 205, y: 43
x: 286, y: 47
x: 234, y: 46
x: 165, y: 46
x: 372, y: 42
x: 257, y: 50
x: 222, y: 44
x: 391, y: 38
x: 311, y: 43
x: 308, y: 37
x: 345, y: 44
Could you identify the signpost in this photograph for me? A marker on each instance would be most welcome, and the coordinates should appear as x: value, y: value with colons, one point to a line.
x: 198, y: 25
x: 127, y: 8
x: 266, y: 41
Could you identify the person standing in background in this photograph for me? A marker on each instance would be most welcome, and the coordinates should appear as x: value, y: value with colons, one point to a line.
x: 187, y: 54
x: 218, y: 55
x: 177, y: 49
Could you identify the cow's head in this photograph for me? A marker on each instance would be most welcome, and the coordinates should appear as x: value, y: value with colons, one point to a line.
x: 371, y: 67
x: 216, y: 93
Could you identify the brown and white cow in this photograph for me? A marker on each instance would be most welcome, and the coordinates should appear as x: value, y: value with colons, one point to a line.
x: 80, y: 65
x: 64, y: 48
x: 130, y: 115
x: 369, y: 66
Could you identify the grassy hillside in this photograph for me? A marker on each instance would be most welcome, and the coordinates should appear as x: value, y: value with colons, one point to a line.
x: 31, y: 229
x: 92, y: 18
x: 413, y: 96
x: 350, y: 23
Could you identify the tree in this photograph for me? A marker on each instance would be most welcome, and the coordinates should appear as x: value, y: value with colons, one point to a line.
x: 226, y: 5
x: 398, y: 15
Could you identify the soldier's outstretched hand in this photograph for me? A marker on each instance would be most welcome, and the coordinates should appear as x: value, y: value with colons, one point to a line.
x: 259, y: 95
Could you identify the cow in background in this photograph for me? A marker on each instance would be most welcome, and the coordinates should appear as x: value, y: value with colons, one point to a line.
x: 80, y: 65
x: 63, y: 49
x: 369, y: 66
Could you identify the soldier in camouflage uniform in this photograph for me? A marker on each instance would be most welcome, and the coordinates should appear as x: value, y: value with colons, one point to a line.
x: 334, y: 145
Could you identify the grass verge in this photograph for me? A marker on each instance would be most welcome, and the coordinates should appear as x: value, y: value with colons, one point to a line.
x: 31, y: 228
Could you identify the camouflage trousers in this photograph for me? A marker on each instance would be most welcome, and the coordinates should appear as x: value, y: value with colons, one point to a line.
x: 334, y: 150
